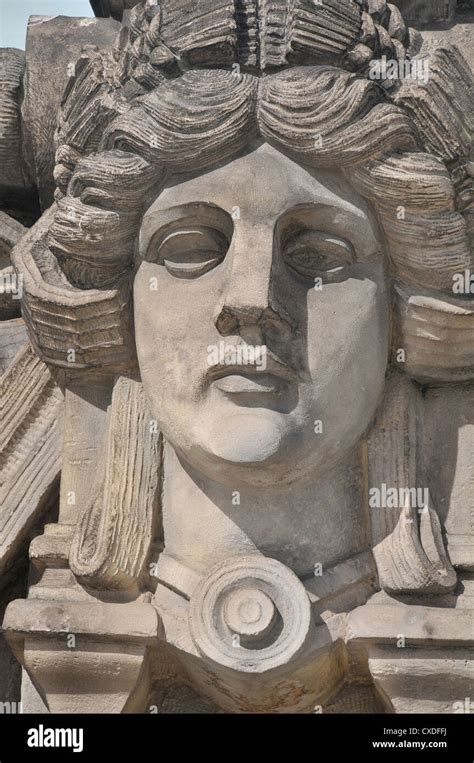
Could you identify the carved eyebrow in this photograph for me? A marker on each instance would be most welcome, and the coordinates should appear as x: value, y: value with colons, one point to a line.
x: 200, y: 213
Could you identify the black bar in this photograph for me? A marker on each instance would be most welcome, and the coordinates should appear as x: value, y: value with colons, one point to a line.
x: 143, y: 737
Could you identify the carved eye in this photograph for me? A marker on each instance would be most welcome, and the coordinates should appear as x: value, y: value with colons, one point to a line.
x: 314, y: 254
x: 192, y: 251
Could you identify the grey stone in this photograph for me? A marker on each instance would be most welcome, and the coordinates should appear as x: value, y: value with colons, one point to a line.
x: 52, y: 44
x: 241, y: 305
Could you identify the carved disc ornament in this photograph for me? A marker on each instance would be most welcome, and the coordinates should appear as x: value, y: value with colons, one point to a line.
x: 250, y: 613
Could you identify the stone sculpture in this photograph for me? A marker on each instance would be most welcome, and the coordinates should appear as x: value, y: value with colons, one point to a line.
x: 248, y: 289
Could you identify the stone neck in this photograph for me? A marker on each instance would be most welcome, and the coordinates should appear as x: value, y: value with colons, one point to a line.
x: 320, y: 522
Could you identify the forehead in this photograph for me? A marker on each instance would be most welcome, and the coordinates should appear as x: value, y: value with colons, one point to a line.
x: 265, y: 181
x: 264, y: 184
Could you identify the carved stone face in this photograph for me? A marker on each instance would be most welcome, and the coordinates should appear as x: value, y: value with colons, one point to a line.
x: 261, y: 253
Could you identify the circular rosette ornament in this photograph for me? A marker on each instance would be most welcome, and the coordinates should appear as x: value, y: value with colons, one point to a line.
x: 251, y: 614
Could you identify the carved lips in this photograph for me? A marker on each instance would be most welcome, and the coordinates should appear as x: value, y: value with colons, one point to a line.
x: 272, y: 377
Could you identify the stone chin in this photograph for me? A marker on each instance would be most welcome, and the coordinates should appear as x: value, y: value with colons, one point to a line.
x: 246, y: 438
x: 263, y: 448
x: 247, y: 447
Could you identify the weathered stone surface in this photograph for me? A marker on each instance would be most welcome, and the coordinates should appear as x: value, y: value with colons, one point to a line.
x: 11, y: 231
x: 458, y: 33
x: 12, y: 338
x: 52, y: 44
x: 12, y: 69
x: 30, y: 448
x: 422, y: 12
x: 114, y: 8
x: 245, y: 287
x: 10, y: 670
x: 425, y: 681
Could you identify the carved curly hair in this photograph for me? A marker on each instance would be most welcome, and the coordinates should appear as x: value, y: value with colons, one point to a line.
x: 188, y: 86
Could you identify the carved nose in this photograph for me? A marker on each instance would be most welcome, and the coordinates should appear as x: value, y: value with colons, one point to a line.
x: 232, y: 319
x: 247, y: 302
